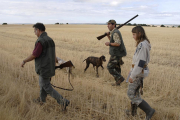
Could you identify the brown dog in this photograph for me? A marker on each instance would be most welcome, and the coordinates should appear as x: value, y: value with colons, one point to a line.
x: 95, y: 61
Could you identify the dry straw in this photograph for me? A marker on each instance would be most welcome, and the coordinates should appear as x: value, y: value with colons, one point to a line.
x: 93, y: 98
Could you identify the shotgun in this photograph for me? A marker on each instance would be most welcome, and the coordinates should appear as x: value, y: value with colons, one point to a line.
x: 102, y: 36
x: 66, y: 64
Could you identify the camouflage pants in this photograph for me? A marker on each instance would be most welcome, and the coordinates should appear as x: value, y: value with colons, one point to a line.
x: 114, y: 67
x: 133, y: 91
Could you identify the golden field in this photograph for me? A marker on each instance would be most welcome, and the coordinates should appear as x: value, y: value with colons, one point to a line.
x: 92, y: 98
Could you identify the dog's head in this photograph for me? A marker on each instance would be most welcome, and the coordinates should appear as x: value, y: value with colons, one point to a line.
x: 103, y: 58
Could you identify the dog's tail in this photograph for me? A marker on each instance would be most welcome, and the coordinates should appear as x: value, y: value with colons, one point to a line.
x: 84, y: 60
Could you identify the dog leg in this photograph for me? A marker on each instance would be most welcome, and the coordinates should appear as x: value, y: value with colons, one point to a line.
x: 97, y: 72
x: 102, y: 67
x: 87, y: 65
x: 94, y: 67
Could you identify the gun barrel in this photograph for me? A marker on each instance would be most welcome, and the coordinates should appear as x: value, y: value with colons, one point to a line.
x: 102, y: 36
x: 126, y: 22
x: 66, y: 64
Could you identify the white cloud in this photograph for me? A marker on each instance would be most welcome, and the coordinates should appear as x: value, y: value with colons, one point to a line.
x: 82, y: 10
x: 144, y: 7
x: 107, y: 2
x: 114, y: 3
x: 166, y: 14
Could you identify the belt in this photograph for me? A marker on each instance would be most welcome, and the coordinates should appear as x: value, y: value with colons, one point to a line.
x: 142, y: 69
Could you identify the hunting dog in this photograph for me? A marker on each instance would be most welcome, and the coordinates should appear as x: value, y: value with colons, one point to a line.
x: 95, y: 61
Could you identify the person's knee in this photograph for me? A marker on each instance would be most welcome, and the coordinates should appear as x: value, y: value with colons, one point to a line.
x: 112, y: 71
x: 48, y: 88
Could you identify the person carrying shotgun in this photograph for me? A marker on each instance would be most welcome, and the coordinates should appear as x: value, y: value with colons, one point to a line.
x: 117, y: 50
x: 45, y: 60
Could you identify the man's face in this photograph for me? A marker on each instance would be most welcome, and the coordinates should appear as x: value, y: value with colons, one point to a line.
x: 110, y: 26
x: 37, y: 32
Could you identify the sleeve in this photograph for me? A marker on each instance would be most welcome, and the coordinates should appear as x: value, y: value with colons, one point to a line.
x: 140, y: 61
x: 37, y: 50
x: 116, y: 38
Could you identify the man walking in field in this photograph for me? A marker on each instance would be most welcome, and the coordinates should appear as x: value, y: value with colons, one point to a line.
x: 117, y: 50
x: 45, y: 60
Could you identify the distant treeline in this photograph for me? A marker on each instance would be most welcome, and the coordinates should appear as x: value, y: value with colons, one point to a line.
x: 60, y: 23
x: 129, y: 24
x: 4, y: 24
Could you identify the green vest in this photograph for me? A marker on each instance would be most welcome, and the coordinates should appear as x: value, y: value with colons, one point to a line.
x: 114, y: 50
x: 45, y: 63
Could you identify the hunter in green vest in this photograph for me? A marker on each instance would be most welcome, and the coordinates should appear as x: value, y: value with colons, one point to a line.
x: 45, y: 58
x: 117, y: 50
x: 44, y: 64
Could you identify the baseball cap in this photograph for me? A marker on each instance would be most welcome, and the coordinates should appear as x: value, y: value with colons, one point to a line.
x: 112, y: 21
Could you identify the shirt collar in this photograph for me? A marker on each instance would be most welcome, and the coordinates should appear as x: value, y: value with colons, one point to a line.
x: 43, y: 34
x: 112, y: 31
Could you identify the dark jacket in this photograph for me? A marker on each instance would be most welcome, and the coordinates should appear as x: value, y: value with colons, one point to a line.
x: 45, y: 63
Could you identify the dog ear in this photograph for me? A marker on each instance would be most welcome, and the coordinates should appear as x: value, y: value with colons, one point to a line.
x: 101, y: 58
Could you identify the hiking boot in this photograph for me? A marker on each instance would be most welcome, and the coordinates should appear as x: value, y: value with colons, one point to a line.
x: 65, y: 104
x: 117, y: 83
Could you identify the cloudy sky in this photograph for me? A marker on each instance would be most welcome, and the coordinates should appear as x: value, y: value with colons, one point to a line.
x: 90, y: 11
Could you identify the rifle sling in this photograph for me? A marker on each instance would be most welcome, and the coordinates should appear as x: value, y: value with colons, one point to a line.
x: 65, y: 88
x: 67, y: 64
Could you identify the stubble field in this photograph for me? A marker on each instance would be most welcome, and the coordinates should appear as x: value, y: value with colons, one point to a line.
x: 92, y: 98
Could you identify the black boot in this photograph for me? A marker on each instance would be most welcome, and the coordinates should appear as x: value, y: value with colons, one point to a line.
x: 133, y: 109
x: 147, y: 109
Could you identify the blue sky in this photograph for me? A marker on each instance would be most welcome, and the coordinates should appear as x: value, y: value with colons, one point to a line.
x: 90, y: 11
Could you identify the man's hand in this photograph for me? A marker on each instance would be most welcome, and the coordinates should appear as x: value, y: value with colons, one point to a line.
x: 22, y: 64
x: 29, y: 58
x: 130, y: 80
x: 108, y: 33
x: 107, y: 43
